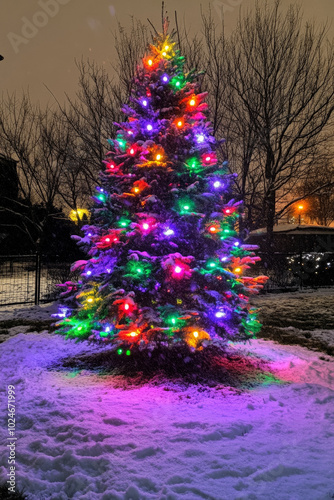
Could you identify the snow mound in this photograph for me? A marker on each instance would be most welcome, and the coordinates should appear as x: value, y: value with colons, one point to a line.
x: 81, y: 437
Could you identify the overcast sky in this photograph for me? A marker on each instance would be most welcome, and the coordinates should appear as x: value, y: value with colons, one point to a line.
x: 66, y: 30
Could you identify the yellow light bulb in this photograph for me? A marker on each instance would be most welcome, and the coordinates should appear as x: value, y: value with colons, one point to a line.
x: 90, y: 299
x: 133, y: 334
x: 150, y: 62
x: 164, y: 54
x: 166, y: 47
x: 192, y: 102
x: 158, y: 157
x: 237, y: 270
x: 195, y: 334
x: 136, y: 190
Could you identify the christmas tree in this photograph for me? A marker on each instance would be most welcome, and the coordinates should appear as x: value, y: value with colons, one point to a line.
x: 165, y: 266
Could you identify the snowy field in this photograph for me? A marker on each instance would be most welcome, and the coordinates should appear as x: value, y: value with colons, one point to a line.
x: 305, y: 318
x: 87, y: 435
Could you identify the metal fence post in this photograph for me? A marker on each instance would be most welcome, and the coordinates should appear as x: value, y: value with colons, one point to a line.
x: 37, y: 279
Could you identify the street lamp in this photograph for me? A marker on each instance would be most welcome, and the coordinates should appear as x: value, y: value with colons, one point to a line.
x: 300, y: 209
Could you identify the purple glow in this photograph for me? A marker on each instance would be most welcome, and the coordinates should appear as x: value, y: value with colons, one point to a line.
x: 145, y: 103
x: 149, y: 127
x: 165, y: 78
x: 236, y: 243
x: 89, y: 273
x: 224, y: 259
x: 217, y: 184
x: 168, y: 232
x: 90, y: 234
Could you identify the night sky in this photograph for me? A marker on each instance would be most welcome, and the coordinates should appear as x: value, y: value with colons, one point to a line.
x: 44, y: 56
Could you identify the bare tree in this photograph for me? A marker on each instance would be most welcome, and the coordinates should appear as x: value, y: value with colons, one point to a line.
x: 319, y: 207
x: 281, y: 78
x: 97, y: 107
x: 39, y: 144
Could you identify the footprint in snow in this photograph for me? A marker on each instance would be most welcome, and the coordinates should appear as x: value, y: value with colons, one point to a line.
x: 147, y: 452
x: 114, y: 421
x: 189, y: 425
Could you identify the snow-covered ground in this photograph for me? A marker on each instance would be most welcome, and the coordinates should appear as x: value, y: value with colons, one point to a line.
x: 305, y: 317
x: 85, y: 435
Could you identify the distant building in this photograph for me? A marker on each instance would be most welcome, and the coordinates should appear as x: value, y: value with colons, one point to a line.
x: 9, y: 192
x: 9, y: 180
x: 291, y: 238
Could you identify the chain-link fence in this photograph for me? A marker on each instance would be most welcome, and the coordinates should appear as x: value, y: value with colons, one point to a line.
x: 30, y: 279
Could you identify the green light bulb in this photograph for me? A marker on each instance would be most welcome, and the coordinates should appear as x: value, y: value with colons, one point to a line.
x: 128, y: 352
x: 122, y: 144
x: 119, y: 351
